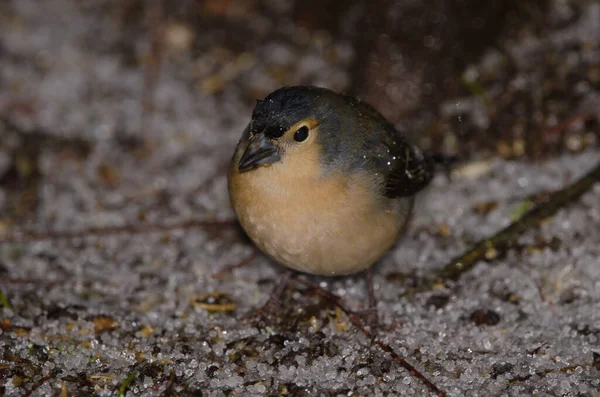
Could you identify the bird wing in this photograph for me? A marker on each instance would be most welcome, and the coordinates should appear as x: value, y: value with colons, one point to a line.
x: 411, y: 171
x: 402, y: 167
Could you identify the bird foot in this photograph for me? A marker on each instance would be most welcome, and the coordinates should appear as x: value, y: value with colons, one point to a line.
x: 366, y: 318
x: 266, y: 314
x: 269, y: 312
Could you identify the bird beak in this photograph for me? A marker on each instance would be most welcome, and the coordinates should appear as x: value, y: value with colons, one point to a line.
x: 259, y: 152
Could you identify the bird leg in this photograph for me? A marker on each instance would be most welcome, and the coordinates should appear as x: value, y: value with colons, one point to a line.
x: 369, y: 281
x: 272, y: 307
x: 368, y: 316
x: 268, y: 312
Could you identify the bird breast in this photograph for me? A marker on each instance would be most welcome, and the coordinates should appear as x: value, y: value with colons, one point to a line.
x: 327, y: 225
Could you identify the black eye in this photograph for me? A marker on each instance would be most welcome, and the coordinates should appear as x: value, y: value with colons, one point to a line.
x: 301, y: 134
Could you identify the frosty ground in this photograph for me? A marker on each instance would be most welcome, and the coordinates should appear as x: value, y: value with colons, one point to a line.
x: 130, y: 311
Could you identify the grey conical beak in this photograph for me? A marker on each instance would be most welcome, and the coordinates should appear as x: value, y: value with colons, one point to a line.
x: 259, y: 152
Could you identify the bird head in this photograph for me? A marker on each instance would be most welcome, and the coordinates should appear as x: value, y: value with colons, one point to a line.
x: 290, y: 122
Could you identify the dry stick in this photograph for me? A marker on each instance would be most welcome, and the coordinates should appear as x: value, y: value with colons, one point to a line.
x: 221, y: 168
x: 26, y: 236
x: 152, y: 70
x: 541, y: 374
x: 170, y: 389
x: 232, y: 266
x: 38, y: 384
x: 383, y: 346
x: 508, y: 236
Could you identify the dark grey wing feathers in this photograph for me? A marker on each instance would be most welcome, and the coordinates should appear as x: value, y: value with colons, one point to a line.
x: 400, y: 169
x: 410, y: 175
x: 405, y: 170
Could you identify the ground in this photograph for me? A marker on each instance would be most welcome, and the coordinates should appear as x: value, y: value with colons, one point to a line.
x: 101, y: 294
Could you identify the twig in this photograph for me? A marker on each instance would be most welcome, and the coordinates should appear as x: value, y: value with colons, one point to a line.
x: 541, y: 374
x: 382, y: 345
x: 210, y: 181
x: 26, y: 236
x: 152, y: 69
x: 220, y: 275
x: 169, y: 390
x: 39, y: 384
x: 508, y: 236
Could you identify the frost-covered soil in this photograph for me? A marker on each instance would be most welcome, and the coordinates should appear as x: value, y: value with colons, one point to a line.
x: 131, y: 311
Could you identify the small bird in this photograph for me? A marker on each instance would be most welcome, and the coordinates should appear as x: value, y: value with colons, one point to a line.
x: 322, y: 183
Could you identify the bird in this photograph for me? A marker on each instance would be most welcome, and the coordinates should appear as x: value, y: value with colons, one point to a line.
x: 322, y: 183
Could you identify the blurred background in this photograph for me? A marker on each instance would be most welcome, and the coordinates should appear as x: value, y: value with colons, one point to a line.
x: 504, y: 78
x: 118, y: 119
x: 514, y: 78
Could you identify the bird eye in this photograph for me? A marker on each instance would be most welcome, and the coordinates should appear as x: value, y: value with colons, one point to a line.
x: 301, y: 134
